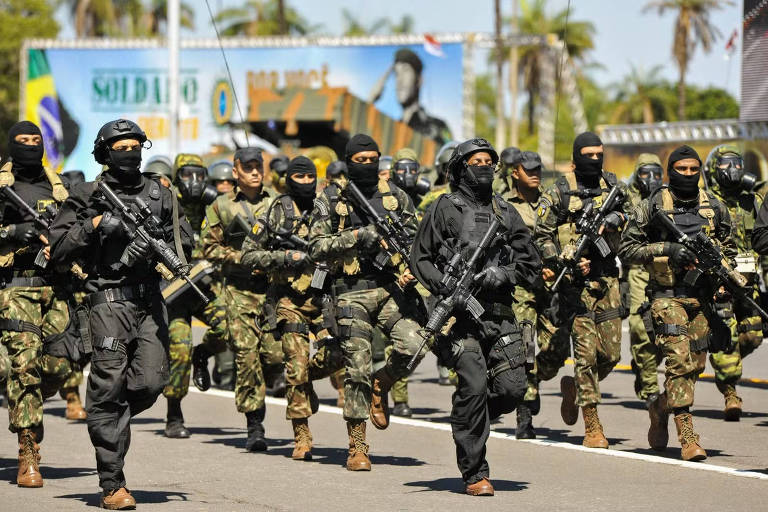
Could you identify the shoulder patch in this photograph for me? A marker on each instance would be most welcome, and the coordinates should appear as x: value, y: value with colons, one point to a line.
x: 321, y: 207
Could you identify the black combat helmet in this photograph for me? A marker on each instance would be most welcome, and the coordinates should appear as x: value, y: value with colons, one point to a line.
x: 464, y: 150
x: 112, y: 131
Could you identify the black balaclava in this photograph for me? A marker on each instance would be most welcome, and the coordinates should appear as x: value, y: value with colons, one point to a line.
x: 27, y: 160
x: 125, y: 166
x: 302, y: 193
x: 587, y: 170
x: 685, y: 187
x: 365, y: 176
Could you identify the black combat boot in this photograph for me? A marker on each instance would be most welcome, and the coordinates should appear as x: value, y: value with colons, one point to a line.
x: 200, y: 376
x: 524, y: 428
x: 174, y: 425
x: 402, y: 409
x: 256, y: 441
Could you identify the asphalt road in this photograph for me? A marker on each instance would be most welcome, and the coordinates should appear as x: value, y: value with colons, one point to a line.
x: 413, y: 461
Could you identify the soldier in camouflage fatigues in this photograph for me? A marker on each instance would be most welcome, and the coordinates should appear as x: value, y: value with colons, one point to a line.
x: 533, y: 303
x: 725, y: 173
x: 682, y: 314
x: 245, y: 289
x: 503, y: 182
x: 342, y: 236
x: 290, y: 272
x: 590, y: 301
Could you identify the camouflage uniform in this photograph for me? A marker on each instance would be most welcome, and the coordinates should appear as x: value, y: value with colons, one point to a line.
x: 244, y: 291
x: 365, y: 296
x: 5, y: 367
x: 592, y: 302
x: 745, y: 324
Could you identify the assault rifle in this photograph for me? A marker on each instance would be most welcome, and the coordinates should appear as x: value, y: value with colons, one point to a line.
x: 459, y: 279
x: 42, y: 220
x: 145, y: 226
x: 588, y: 226
x: 712, y: 261
x: 391, y: 229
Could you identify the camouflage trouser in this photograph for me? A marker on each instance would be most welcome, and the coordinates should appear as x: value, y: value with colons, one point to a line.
x: 646, y: 356
x: 244, y: 321
x: 683, y: 366
x: 357, y: 312
x: 596, y: 342
x: 180, y: 331
x: 554, y: 343
x: 33, y: 376
x: 5, y: 367
x: 746, y: 336
x: 295, y: 315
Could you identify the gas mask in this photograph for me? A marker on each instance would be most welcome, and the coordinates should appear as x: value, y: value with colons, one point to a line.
x: 648, y: 179
x: 406, y: 176
x: 192, y: 185
x: 730, y: 173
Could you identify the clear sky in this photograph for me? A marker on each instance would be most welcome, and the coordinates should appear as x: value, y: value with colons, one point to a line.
x: 625, y: 35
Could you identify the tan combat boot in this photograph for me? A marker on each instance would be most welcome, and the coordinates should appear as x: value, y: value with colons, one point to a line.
x: 379, y: 414
x: 303, y: 438
x: 75, y: 409
x: 593, y: 430
x: 658, y: 432
x: 118, y: 499
x: 569, y: 411
x: 29, y: 460
x: 732, y: 406
x: 689, y: 440
x: 358, y: 450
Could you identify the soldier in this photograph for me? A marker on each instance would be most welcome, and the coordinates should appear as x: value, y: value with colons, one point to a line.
x: 728, y: 181
x: 229, y: 220
x: 221, y: 178
x: 590, y: 301
x: 646, y: 355
x: 681, y: 313
x: 441, y: 182
x: 128, y: 321
x: 160, y: 167
x: 343, y: 236
x: 406, y: 174
x: 290, y: 271
x: 534, y: 303
x: 503, y: 182
x: 277, y: 167
x: 33, y: 301
x: 487, y: 353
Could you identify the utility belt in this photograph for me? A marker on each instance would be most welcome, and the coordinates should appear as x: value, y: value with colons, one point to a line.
x: 497, y: 310
x: 353, y: 284
x: 602, y: 316
x: 677, y: 292
x: 25, y: 282
x: 132, y: 293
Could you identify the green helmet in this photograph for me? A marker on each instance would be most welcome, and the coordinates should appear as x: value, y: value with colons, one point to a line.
x: 724, y: 170
x: 221, y: 171
x: 159, y: 165
x: 441, y: 160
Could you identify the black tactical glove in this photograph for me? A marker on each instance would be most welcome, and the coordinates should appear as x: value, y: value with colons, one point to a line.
x: 679, y: 255
x: 138, y: 249
x: 295, y: 259
x: 368, y: 238
x: 492, y: 278
x: 110, y: 224
x: 23, y: 233
x: 613, y: 221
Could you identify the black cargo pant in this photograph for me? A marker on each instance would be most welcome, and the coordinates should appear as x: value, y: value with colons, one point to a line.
x: 129, y: 368
x: 481, y: 397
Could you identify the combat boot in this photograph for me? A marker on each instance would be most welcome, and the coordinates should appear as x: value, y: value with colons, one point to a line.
x: 29, y: 460
x: 303, y: 438
x: 256, y: 441
x: 480, y: 488
x: 732, y: 406
x: 689, y: 440
x: 524, y: 429
x: 118, y: 499
x: 402, y: 409
x: 658, y: 432
x: 75, y: 409
x: 174, y: 424
x: 358, y: 449
x: 200, y: 376
x: 568, y: 408
x: 593, y: 430
x: 379, y: 414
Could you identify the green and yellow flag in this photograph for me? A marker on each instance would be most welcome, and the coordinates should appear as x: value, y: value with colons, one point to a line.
x: 43, y: 108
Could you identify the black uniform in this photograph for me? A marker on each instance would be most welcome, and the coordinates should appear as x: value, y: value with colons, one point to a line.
x: 457, y: 222
x: 128, y: 320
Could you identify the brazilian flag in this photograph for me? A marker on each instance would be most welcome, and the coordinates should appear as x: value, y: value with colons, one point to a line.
x: 43, y: 108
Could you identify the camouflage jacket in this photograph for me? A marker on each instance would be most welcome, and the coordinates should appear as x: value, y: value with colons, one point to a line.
x: 223, y: 237
x: 526, y: 210
x: 268, y: 253
x: 332, y: 234
x: 431, y: 196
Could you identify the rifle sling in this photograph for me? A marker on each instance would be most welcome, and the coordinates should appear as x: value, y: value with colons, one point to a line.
x: 176, y: 228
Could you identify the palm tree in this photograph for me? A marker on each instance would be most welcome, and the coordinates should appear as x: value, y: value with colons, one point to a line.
x: 354, y: 27
x: 405, y: 26
x: 93, y: 18
x: 692, y: 28
x: 643, y: 98
x: 157, y: 11
x: 534, y: 19
x: 262, y: 18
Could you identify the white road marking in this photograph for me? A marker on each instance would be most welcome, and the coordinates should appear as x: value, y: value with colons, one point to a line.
x: 540, y: 442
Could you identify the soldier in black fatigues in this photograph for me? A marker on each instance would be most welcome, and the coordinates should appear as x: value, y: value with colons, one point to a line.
x: 128, y: 320
x: 492, y: 345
